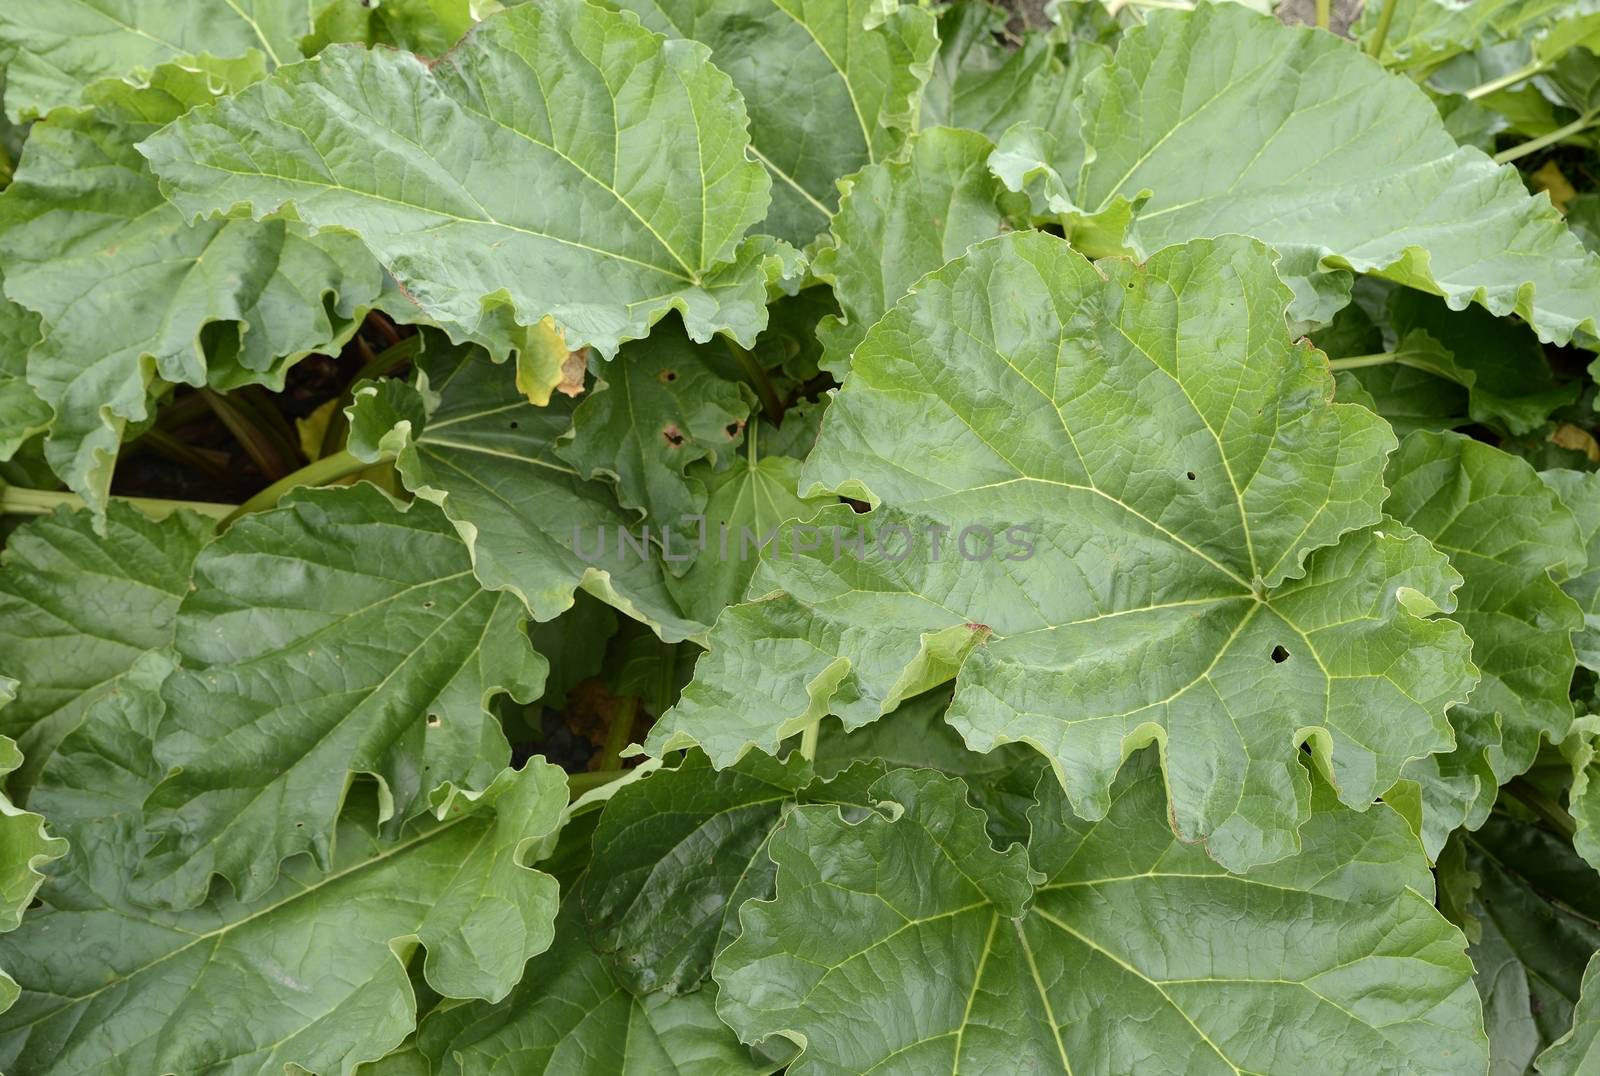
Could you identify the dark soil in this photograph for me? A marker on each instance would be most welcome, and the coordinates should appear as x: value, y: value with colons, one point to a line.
x: 1304, y: 13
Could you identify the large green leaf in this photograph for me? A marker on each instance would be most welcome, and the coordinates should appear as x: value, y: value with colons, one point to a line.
x: 22, y: 413
x: 1425, y: 34
x: 745, y: 504
x: 906, y: 943
x: 900, y: 220
x: 128, y: 290
x: 337, y: 634
x: 1446, y: 368
x: 982, y: 85
x: 1508, y: 535
x: 1210, y: 110
x: 674, y: 856
x: 562, y: 162
x: 25, y: 847
x: 314, y: 973
x: 831, y: 85
x: 1580, y: 492
x: 77, y: 609
x: 1001, y: 782
x: 468, y: 439
x: 63, y: 46
x: 1534, y: 905
x: 1577, y: 1053
x: 657, y: 409
x: 1500, y: 363
x: 1183, y: 547
x: 1583, y: 795
x: 569, y: 1017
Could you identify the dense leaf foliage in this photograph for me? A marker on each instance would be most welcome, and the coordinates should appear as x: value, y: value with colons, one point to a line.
x: 738, y: 536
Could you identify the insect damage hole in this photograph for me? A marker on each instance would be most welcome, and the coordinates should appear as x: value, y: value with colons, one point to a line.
x: 672, y: 435
x: 1189, y: 475
x: 1279, y: 654
x: 669, y: 376
x: 434, y: 721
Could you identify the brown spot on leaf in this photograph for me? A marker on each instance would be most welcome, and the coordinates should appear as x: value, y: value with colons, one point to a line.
x: 672, y: 435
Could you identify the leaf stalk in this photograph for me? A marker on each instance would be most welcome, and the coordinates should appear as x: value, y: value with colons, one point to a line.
x: 1495, y: 85
x: 322, y: 472
x: 579, y: 783
x: 1549, y: 811
x: 258, y: 444
x: 808, y: 740
x: 170, y: 448
x: 16, y: 501
x: 770, y: 403
x: 1534, y: 145
x: 1356, y: 362
x: 619, y: 733
x: 1381, y: 34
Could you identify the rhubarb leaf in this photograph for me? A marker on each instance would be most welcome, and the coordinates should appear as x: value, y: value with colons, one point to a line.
x: 129, y: 291
x: 1120, y: 950
x: 61, y: 47
x: 1511, y: 539
x: 22, y: 413
x: 466, y: 438
x: 831, y: 85
x: 656, y: 409
x: 334, y: 635
x: 62, y: 587
x: 1580, y: 492
x: 674, y: 855
x: 311, y: 974
x: 25, y: 846
x: 569, y: 1016
x: 1191, y: 131
x: 1116, y: 506
x: 563, y: 161
x: 898, y: 221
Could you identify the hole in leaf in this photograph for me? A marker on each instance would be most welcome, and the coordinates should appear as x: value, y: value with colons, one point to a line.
x: 434, y: 721
x: 1189, y: 475
x: 1279, y: 654
x: 669, y: 376
x: 734, y: 429
x: 512, y: 424
x: 428, y: 604
x: 672, y: 435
